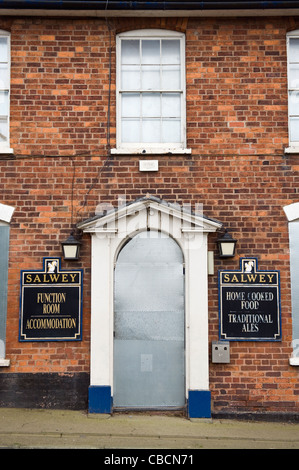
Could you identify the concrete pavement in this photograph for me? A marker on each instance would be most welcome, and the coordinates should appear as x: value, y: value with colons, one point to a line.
x: 64, y: 429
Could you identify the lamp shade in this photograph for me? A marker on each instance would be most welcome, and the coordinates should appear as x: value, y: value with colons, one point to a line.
x: 226, y: 245
x: 71, y: 248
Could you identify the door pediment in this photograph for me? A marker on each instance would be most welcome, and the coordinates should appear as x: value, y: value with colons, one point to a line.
x: 150, y: 213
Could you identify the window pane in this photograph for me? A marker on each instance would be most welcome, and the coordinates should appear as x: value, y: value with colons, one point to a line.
x: 4, y: 77
x: 3, y: 49
x: 3, y: 103
x: 148, y: 66
x: 294, y: 76
x: 171, y: 77
x: 170, y: 51
x: 130, y: 77
x: 294, y: 129
x: 294, y: 103
x: 150, y: 77
x: 130, y: 105
x: 150, y: 52
x: 171, y: 130
x: 130, y: 52
x: 3, y: 130
x: 151, y: 131
x: 130, y: 130
x: 151, y: 106
x: 294, y: 50
x: 171, y: 105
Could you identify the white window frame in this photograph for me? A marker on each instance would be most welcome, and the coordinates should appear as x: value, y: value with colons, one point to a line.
x: 5, y: 146
x: 292, y: 214
x: 150, y: 148
x: 6, y: 213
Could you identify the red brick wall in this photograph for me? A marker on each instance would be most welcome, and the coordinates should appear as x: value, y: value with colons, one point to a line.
x: 236, y: 79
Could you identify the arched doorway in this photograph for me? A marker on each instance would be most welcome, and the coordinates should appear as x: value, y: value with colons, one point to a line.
x: 149, y: 332
x: 109, y: 234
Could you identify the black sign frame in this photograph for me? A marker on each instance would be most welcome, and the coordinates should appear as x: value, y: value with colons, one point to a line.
x: 249, y: 303
x: 51, y: 303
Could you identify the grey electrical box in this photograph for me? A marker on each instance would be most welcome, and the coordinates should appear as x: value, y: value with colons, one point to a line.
x: 220, y: 352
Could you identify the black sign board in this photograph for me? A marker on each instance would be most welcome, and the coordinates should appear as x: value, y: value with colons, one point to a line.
x: 249, y: 303
x: 51, y: 303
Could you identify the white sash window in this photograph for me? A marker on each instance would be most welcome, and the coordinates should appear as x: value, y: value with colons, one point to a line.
x: 4, y: 91
x: 151, y: 97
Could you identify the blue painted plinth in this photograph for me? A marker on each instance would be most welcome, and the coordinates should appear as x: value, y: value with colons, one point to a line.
x: 199, y: 404
x: 99, y: 399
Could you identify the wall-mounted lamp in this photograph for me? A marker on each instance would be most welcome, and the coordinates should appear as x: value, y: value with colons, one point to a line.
x: 71, y: 247
x: 226, y: 245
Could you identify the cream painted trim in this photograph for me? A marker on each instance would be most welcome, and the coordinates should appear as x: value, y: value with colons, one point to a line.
x: 292, y: 214
x: 150, y: 151
x: 292, y: 211
x: 5, y: 146
x: 294, y: 361
x: 4, y: 362
x: 189, y: 221
x: 291, y: 150
x: 6, y: 213
x: 141, y: 148
x: 6, y: 150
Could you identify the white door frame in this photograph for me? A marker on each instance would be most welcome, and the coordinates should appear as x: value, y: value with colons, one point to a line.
x: 109, y: 233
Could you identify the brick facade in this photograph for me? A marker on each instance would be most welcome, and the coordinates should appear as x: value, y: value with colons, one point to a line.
x: 237, y: 128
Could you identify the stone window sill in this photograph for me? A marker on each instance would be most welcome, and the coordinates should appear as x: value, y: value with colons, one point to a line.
x: 294, y: 361
x: 291, y: 149
x: 152, y: 151
x: 4, y: 362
